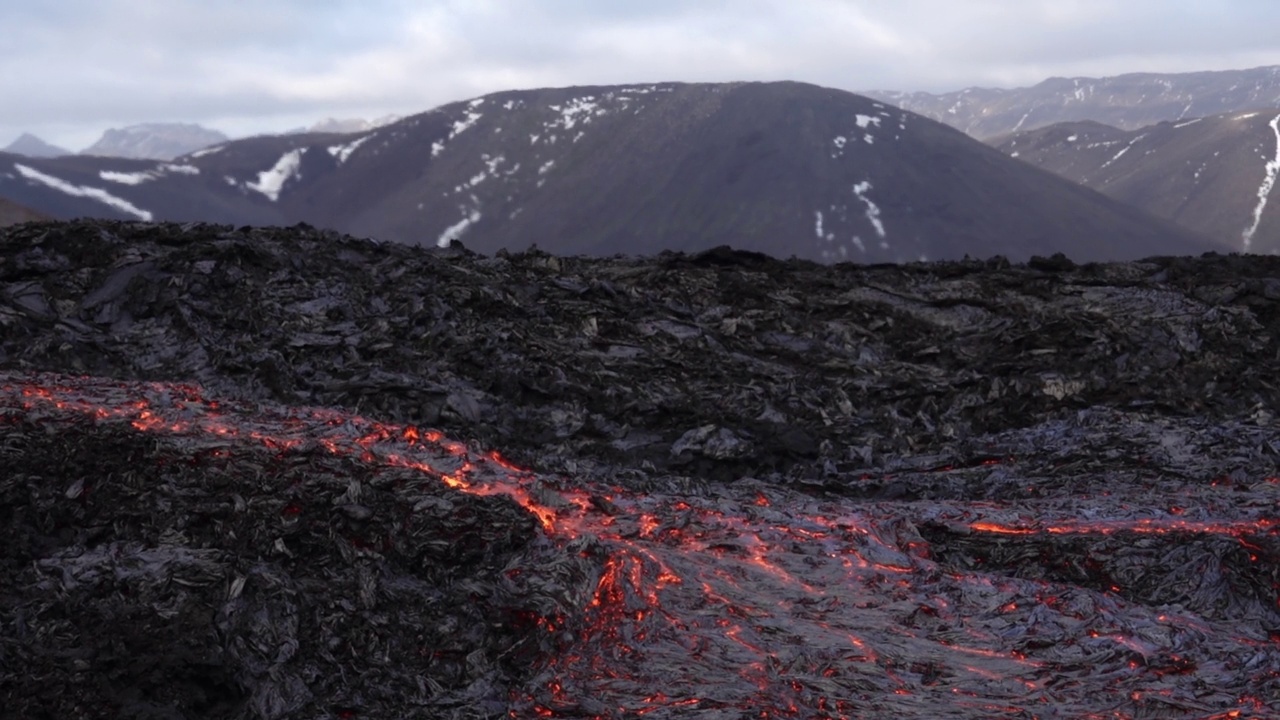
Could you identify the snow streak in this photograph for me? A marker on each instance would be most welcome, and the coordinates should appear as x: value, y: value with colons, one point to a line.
x: 271, y: 182
x: 1123, y: 150
x: 1264, y: 190
x: 873, y: 211
x: 83, y: 191
x: 455, y: 230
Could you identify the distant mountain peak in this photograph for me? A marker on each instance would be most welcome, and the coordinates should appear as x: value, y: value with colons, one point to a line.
x: 32, y: 146
x: 1128, y: 101
x: 154, y: 141
x: 350, y: 125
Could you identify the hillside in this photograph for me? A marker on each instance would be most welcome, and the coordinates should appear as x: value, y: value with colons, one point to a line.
x: 780, y: 168
x: 12, y: 213
x: 1213, y: 175
x: 1127, y: 101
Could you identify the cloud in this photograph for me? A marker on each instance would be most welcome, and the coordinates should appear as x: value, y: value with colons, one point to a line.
x: 80, y: 66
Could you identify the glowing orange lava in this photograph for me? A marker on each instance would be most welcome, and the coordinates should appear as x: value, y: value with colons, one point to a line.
x: 735, y: 603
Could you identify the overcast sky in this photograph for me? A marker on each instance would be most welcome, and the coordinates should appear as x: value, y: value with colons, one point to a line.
x: 69, y: 69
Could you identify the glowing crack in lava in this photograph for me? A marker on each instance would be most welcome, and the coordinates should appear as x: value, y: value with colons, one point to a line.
x: 746, y: 600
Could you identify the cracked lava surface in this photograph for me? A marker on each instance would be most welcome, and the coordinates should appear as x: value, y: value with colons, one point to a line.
x: 747, y: 600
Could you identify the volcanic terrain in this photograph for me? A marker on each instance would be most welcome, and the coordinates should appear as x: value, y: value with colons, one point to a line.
x: 281, y: 473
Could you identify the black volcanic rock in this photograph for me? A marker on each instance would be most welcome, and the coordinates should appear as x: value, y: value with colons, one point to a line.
x: 154, y: 141
x: 755, y: 486
x: 780, y: 168
x: 32, y: 146
x: 511, y: 350
x: 1129, y: 101
x: 1213, y: 175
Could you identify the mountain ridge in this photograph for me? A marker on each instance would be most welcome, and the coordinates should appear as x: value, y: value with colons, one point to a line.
x: 780, y: 168
x: 154, y: 141
x: 33, y: 146
x: 1213, y: 175
x: 1126, y: 101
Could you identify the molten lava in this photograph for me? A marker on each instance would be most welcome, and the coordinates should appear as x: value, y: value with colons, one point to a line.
x: 752, y: 601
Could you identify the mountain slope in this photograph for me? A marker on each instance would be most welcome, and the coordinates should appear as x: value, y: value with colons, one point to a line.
x: 32, y: 146
x: 154, y: 141
x: 1213, y: 175
x: 780, y: 168
x: 1126, y: 101
x: 12, y: 213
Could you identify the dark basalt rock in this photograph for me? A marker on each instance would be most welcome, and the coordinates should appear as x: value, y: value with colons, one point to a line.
x: 561, y: 361
x: 992, y: 431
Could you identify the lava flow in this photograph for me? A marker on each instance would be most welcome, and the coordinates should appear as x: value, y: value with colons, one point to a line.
x: 747, y: 600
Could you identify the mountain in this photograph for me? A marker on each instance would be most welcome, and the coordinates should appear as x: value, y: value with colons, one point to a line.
x: 12, y: 213
x: 350, y: 125
x: 32, y: 146
x: 779, y: 168
x: 1213, y: 175
x: 154, y: 141
x: 1126, y: 101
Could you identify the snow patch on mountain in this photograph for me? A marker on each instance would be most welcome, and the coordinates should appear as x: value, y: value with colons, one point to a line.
x: 271, y: 182
x: 1123, y: 150
x: 454, y: 231
x: 342, y: 152
x: 459, y: 126
x: 577, y: 110
x: 873, y: 211
x: 85, y: 191
x: 137, y: 178
x: 865, y: 121
x: 1264, y: 190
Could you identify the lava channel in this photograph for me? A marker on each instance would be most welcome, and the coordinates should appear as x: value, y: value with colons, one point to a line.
x: 746, y: 600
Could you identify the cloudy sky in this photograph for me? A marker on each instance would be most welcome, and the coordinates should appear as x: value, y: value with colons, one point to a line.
x: 71, y: 68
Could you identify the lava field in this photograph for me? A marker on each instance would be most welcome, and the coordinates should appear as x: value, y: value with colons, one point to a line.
x: 245, y: 478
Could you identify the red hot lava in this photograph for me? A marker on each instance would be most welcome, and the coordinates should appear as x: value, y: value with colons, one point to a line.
x: 753, y: 601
